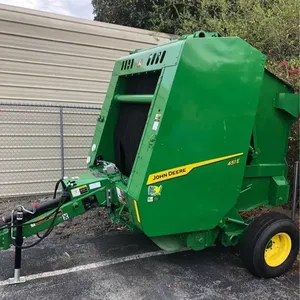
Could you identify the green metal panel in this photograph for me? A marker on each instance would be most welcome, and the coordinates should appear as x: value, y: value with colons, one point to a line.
x: 278, y: 108
x: 209, y: 113
x: 254, y: 193
x: 279, y: 190
x: 271, y: 125
x: 289, y: 103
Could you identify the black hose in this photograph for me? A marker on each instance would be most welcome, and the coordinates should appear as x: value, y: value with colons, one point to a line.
x: 48, y: 231
x: 9, y: 225
x: 42, y: 207
x: 56, y: 187
x: 60, y: 201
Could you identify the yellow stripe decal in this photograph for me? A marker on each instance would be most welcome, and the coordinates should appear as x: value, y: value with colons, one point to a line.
x: 184, y: 170
x: 137, y: 211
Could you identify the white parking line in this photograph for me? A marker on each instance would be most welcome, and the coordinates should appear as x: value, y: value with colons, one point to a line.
x: 92, y: 265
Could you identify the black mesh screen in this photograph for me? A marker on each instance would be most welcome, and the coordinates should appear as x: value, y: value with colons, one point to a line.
x: 128, y: 133
x: 141, y: 84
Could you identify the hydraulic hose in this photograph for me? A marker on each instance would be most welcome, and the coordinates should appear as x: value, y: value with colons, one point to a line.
x: 37, y: 208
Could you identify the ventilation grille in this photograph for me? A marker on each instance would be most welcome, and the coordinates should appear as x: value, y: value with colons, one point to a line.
x: 127, y: 64
x: 156, y: 58
x: 153, y: 59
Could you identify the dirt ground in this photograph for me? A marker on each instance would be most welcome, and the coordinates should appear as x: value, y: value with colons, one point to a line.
x: 93, y: 220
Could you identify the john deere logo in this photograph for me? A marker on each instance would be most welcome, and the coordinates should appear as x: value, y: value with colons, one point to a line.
x: 140, y: 62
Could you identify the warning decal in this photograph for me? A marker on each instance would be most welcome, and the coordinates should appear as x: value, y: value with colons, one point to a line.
x: 156, y: 122
x: 79, y: 191
x: 154, y: 193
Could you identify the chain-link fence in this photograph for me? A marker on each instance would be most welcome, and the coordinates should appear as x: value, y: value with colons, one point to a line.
x: 40, y: 144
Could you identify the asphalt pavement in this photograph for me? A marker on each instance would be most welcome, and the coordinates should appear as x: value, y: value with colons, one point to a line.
x: 128, y: 266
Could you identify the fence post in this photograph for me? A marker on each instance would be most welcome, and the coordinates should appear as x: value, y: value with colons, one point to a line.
x: 62, y: 150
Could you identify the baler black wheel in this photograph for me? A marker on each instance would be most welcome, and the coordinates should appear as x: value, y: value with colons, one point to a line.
x: 270, y: 245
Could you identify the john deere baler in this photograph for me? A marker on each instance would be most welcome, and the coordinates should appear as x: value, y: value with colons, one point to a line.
x: 192, y: 134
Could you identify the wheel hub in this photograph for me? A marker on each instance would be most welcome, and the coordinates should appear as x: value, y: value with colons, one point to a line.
x: 278, y: 249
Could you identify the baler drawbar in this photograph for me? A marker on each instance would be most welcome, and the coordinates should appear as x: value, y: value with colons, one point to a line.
x: 192, y: 134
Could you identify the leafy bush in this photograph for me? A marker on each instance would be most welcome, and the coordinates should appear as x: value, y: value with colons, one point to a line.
x: 272, y: 26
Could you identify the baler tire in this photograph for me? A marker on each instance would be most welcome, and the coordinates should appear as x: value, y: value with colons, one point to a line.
x: 258, y: 235
x: 248, y: 239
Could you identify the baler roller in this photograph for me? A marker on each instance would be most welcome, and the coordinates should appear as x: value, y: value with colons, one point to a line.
x: 134, y: 98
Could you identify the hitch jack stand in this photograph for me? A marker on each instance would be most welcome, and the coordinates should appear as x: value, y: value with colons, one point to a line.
x: 18, y: 248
